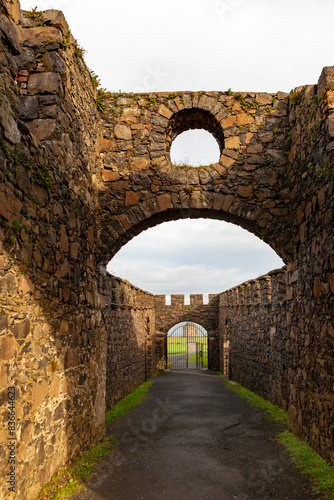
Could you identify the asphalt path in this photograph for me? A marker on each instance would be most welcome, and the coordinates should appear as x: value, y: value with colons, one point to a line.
x: 193, y: 439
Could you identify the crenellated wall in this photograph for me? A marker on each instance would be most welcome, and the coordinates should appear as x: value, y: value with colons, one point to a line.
x: 81, y: 174
x: 254, y: 338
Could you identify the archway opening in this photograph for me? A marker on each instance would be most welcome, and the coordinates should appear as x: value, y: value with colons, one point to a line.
x: 187, y: 347
x: 193, y: 256
x: 195, y: 148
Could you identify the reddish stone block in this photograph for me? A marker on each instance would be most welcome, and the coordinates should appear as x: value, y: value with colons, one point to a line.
x: 9, y: 348
x: 139, y: 164
x: 109, y: 175
x: 165, y: 201
x: 228, y: 122
x: 244, y: 119
x: 132, y: 197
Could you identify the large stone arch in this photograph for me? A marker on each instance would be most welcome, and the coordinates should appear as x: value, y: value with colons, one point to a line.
x: 140, y: 187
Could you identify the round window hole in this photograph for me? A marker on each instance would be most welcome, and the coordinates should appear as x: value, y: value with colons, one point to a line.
x: 195, y: 148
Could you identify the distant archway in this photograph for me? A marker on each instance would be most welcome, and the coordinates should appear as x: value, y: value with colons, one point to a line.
x: 187, y: 347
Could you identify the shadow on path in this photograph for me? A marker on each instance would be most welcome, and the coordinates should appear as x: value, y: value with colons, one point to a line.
x: 193, y: 439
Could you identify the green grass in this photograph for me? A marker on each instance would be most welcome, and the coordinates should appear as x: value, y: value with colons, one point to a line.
x: 305, y: 458
x: 204, y: 360
x: 126, y: 404
x: 272, y: 411
x: 69, y: 481
x: 176, y: 345
x: 310, y: 464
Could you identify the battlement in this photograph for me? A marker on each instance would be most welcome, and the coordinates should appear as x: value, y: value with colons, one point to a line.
x: 179, y: 300
x: 270, y: 288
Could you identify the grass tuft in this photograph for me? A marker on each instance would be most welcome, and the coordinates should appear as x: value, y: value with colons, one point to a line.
x: 126, y: 404
x: 310, y: 464
x: 70, y: 480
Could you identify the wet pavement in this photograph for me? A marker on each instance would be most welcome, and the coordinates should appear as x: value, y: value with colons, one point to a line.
x: 192, y: 439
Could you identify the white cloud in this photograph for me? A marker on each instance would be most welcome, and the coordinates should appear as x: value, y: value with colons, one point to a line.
x: 193, y: 256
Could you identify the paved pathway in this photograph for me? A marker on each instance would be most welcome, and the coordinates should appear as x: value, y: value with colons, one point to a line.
x: 193, y: 439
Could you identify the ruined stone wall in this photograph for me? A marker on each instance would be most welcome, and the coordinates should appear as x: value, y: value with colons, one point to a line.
x: 129, y: 321
x: 206, y: 315
x: 311, y: 276
x: 254, y: 338
x: 52, y: 335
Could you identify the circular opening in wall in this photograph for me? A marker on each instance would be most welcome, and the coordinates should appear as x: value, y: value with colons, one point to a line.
x: 195, y: 148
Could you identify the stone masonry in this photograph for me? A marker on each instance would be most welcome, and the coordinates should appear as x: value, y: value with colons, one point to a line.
x: 82, y: 172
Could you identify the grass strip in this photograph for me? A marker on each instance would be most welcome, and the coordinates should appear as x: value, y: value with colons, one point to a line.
x: 273, y: 412
x: 305, y: 458
x: 126, y: 404
x: 310, y: 464
x: 69, y: 481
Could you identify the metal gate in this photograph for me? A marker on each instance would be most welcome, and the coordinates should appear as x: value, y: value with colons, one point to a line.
x: 187, y: 347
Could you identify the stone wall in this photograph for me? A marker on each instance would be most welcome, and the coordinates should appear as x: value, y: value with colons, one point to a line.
x: 129, y: 321
x: 52, y: 334
x: 254, y: 338
x: 206, y: 315
x: 311, y: 276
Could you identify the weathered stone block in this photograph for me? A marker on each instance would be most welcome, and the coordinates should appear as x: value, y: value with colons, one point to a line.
x: 123, y: 132
x: 165, y: 201
x: 131, y: 197
x: 28, y: 109
x: 226, y: 161
x: 139, y: 164
x: 13, y: 9
x: 21, y: 329
x: 232, y: 143
x: 45, y: 83
x: 326, y: 79
x: 164, y: 111
x: 245, y: 191
x: 12, y: 133
x: 45, y: 129
x: 109, y: 175
x: 54, y: 63
x: 35, y: 37
x: 3, y: 320
x: 10, y: 33
x: 26, y: 285
x: 244, y: 119
x: 9, y: 348
x: 228, y: 122
x: 10, y: 205
x: 57, y: 19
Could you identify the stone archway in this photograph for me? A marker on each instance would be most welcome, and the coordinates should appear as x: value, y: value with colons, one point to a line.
x: 140, y: 186
x: 205, y: 315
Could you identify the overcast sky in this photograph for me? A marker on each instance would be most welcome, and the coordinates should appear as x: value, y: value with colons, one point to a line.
x: 245, y: 45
